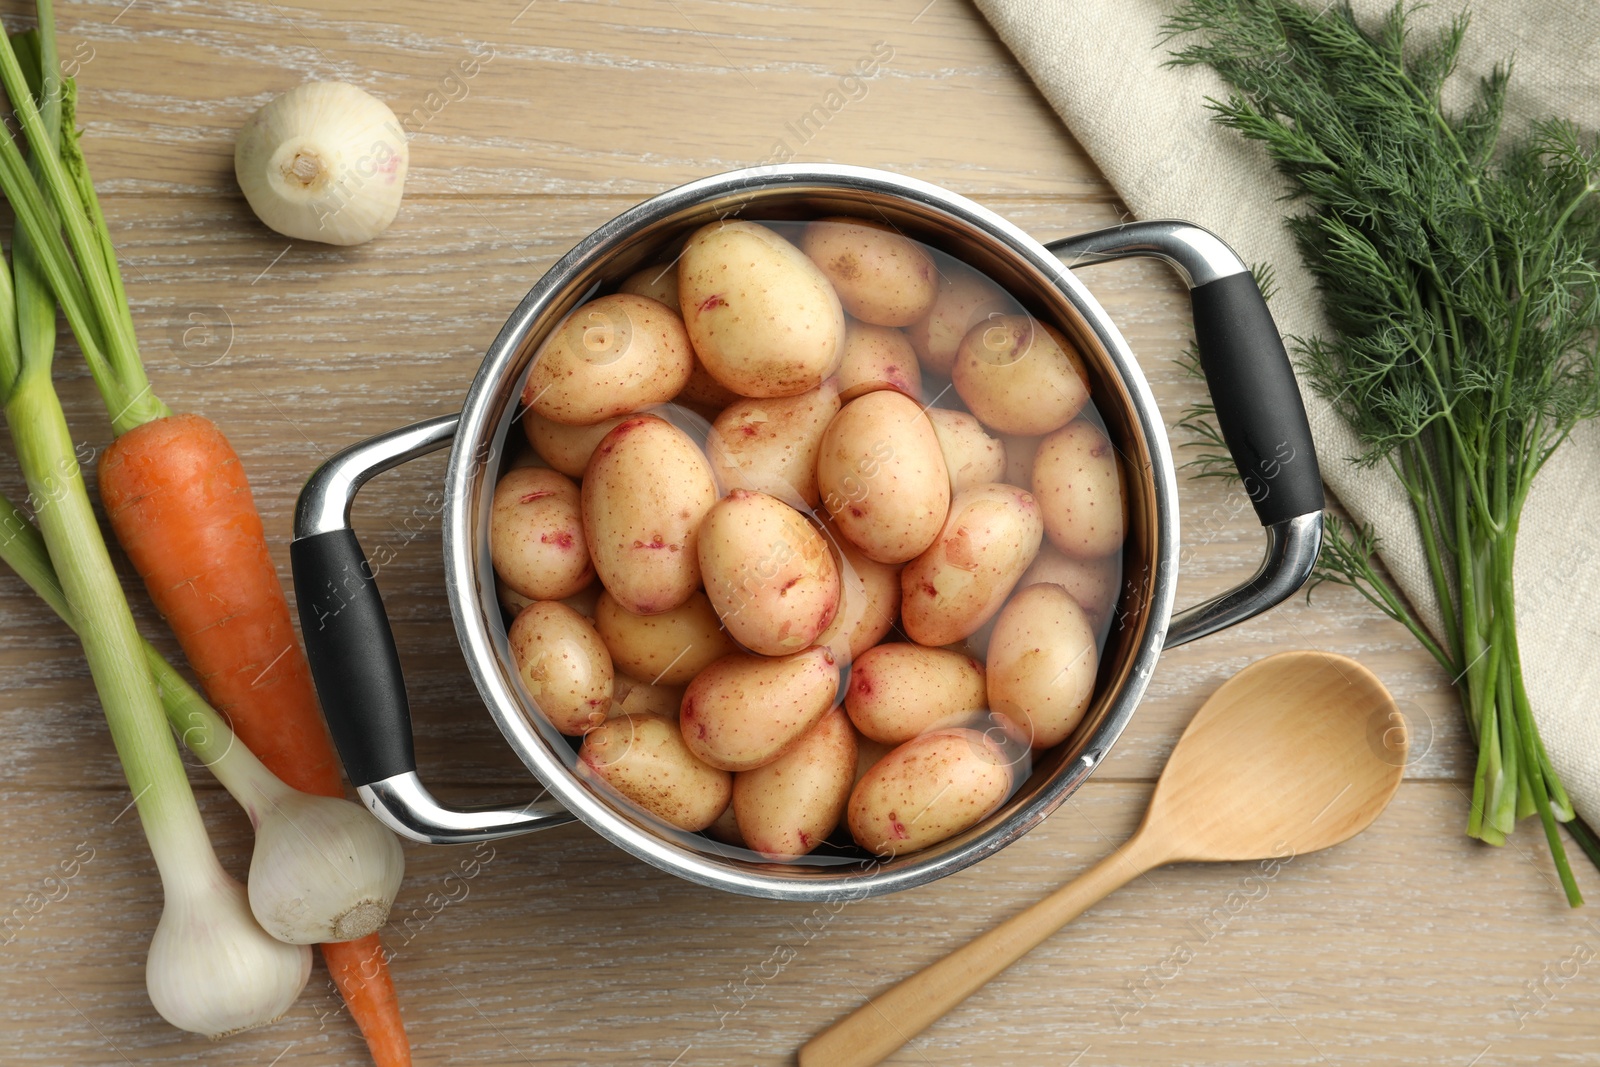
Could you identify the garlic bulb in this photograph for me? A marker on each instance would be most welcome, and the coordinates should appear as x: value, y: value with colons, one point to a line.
x: 325, y: 161
x: 323, y: 869
x: 211, y: 968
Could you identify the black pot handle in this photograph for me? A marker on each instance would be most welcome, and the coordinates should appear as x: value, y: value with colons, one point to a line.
x: 1259, y: 410
x: 352, y: 653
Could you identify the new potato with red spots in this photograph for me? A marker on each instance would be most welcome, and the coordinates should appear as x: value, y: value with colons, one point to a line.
x: 744, y: 711
x: 881, y: 276
x: 536, y: 535
x: 643, y: 758
x: 877, y: 357
x: 768, y: 573
x: 883, y: 477
x: 615, y: 354
x: 563, y: 665
x: 1079, y: 483
x: 790, y: 806
x: 771, y: 445
x: 928, y: 789
x: 645, y: 493
x: 959, y: 582
x: 760, y: 315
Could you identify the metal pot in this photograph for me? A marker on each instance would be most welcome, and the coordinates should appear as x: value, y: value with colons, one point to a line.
x: 1258, y: 407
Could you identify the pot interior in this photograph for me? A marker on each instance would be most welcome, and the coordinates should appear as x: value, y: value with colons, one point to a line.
x: 654, y: 233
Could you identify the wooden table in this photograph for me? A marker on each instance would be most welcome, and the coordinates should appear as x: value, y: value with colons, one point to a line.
x: 1408, y: 945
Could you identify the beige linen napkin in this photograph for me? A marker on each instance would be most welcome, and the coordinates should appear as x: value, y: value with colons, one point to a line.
x: 1099, y: 63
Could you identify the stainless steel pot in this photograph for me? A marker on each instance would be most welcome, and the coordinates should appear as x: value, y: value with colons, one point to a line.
x: 1259, y: 409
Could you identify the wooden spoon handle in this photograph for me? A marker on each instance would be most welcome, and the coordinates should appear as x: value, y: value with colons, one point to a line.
x: 879, y: 1027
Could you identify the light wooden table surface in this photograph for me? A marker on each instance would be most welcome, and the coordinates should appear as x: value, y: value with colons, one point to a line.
x: 1408, y: 945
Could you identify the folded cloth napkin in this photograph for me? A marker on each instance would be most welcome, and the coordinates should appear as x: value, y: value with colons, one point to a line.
x: 1099, y: 63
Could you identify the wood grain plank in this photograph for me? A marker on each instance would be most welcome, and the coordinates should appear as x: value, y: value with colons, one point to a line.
x: 578, y: 98
x: 1408, y: 944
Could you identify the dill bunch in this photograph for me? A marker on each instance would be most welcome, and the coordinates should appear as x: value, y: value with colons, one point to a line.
x: 1461, y: 277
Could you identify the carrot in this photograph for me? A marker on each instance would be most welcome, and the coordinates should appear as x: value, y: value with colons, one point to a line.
x: 360, y: 969
x: 181, y: 508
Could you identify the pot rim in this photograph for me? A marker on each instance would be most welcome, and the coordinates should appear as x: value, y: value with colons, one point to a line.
x: 475, y: 448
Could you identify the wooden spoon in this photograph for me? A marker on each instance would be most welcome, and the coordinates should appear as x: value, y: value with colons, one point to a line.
x: 1294, y: 753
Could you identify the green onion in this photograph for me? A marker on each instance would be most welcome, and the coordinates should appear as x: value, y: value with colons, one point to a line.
x: 211, y: 968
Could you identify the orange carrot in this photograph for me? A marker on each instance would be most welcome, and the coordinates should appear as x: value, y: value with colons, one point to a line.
x: 179, y: 504
x: 177, y: 498
x: 360, y: 969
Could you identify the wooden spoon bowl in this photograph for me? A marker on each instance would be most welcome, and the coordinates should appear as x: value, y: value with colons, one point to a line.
x: 1294, y: 753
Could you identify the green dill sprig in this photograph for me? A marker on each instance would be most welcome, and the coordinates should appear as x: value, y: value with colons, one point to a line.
x: 1461, y: 277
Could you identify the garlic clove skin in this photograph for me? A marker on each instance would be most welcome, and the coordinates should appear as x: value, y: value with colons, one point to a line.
x: 325, y: 161
x: 323, y: 869
x: 211, y: 969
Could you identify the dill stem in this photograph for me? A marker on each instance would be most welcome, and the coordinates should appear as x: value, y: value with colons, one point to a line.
x: 1503, y: 811
x: 1541, y: 800
x: 1470, y: 675
x: 1425, y: 523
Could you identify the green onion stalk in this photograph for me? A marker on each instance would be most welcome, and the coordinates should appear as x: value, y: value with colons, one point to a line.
x: 1461, y: 277
x: 211, y: 968
x: 323, y: 869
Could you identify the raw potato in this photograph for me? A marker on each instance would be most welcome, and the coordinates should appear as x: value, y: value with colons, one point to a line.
x: 584, y: 600
x: 898, y: 691
x: 726, y: 829
x: 510, y: 600
x: 882, y: 476
x: 1020, y: 376
x: 644, y: 495
x: 771, y: 445
x: 1093, y: 583
x: 521, y: 454
x: 761, y: 317
x: 965, y: 299
x: 791, y: 805
x: 745, y: 711
x: 877, y: 357
x: 704, y: 393
x: 566, y: 448
x: 613, y: 355
x: 536, y: 535
x: 644, y: 758
x: 768, y: 573
x: 1019, y: 459
x: 882, y: 277
x: 971, y: 456
x: 563, y: 665
x: 869, y: 599
x: 1079, y: 485
x: 629, y: 696
x: 668, y: 648
x: 957, y: 585
x: 659, y: 281
x: 1042, y: 663
x: 868, y: 753
x: 927, y: 790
